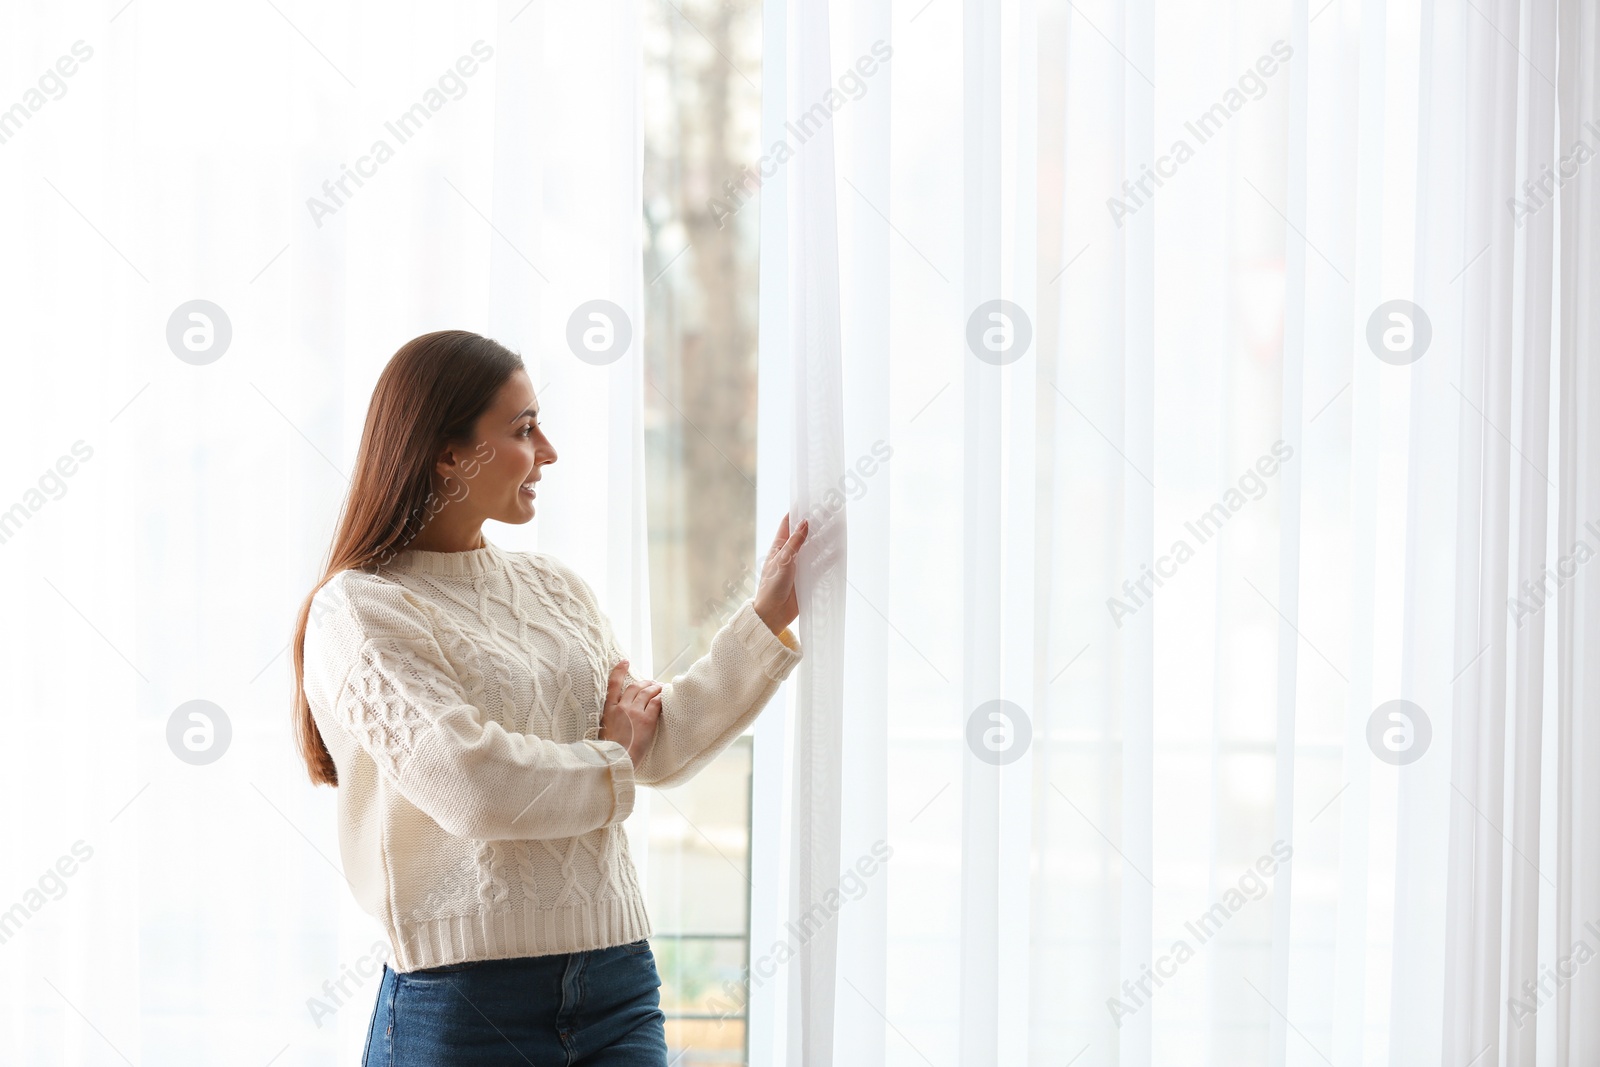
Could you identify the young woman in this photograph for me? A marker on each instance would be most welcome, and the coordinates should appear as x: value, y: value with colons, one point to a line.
x: 486, y: 734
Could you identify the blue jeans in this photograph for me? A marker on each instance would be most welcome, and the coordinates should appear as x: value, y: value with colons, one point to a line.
x: 595, y: 1009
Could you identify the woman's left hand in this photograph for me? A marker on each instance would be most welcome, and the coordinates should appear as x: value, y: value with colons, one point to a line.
x: 776, y: 602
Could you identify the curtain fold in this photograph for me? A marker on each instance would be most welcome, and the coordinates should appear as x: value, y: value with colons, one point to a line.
x: 818, y: 461
x: 1576, y: 608
x: 981, y: 600
x: 1537, y: 114
x: 862, y: 153
x: 1296, y: 315
x: 1134, y: 648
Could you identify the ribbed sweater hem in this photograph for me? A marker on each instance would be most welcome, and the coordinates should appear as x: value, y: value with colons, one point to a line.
x: 506, y: 933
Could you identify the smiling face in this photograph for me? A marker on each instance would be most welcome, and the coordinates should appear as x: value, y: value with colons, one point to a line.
x: 512, y: 451
x: 493, y: 478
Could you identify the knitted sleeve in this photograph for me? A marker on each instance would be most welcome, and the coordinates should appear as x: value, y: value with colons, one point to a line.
x: 374, y: 668
x: 705, y: 708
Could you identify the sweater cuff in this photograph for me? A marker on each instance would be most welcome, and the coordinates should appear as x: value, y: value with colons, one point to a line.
x: 776, y: 655
x: 622, y: 778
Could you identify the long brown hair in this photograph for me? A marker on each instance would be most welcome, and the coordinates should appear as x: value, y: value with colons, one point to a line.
x: 429, y: 395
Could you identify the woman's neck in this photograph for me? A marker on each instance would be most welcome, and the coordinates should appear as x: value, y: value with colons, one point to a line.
x: 435, y: 539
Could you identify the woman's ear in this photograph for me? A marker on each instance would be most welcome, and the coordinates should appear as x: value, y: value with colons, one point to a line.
x: 454, y: 473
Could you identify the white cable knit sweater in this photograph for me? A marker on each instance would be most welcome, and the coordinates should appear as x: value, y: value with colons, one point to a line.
x: 459, y: 694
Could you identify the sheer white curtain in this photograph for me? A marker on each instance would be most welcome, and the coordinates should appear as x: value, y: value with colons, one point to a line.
x: 1286, y: 581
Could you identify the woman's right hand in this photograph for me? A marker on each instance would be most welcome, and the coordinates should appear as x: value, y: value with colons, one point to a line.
x: 631, y: 713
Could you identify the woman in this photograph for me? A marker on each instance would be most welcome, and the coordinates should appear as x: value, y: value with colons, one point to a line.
x: 487, y: 735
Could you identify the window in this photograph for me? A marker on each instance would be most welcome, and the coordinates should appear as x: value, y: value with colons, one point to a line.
x: 702, y: 124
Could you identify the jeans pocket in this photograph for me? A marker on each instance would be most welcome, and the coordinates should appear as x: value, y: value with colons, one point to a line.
x: 637, y: 948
